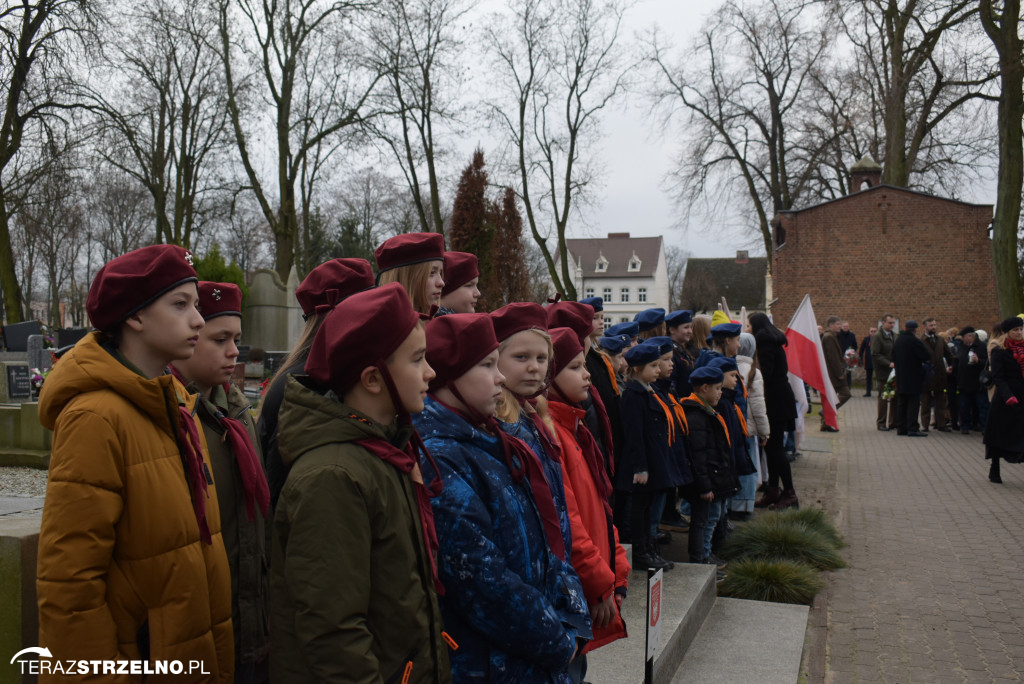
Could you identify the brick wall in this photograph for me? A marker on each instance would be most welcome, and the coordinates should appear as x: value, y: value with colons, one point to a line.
x: 887, y: 250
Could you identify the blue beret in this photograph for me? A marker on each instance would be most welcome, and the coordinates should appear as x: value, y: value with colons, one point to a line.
x: 910, y: 325
x: 614, y: 343
x: 706, y: 375
x: 679, y: 317
x: 642, y: 354
x: 629, y: 328
x: 727, y: 330
x: 723, y: 363
x: 664, y: 343
x: 595, y: 302
x: 650, y: 318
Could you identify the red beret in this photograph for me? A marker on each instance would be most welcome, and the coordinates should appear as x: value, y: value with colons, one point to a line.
x: 575, y: 315
x: 333, y: 281
x: 517, y: 317
x: 219, y: 299
x: 459, y: 269
x: 134, y: 280
x: 456, y: 343
x: 408, y: 249
x: 364, y: 330
x: 566, y: 344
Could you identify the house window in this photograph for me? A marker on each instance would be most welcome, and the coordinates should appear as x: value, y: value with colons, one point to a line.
x: 602, y: 264
x: 607, y: 321
x: 641, y: 294
x: 590, y: 292
x: 607, y: 295
x: 634, y: 264
x: 625, y: 319
x: 625, y: 295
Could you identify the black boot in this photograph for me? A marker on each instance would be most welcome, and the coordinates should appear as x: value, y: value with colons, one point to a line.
x: 993, y: 472
x: 646, y: 556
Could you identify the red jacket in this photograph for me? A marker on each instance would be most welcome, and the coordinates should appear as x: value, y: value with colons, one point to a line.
x: 592, y: 530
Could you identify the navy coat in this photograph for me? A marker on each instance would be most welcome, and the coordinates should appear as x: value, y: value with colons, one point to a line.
x: 513, y: 607
x: 909, y: 354
x: 727, y: 408
x: 646, y: 446
x: 710, y: 454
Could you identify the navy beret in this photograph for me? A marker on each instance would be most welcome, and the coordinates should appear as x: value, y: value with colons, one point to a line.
x: 663, y: 342
x: 723, y: 363
x: 726, y: 330
x: 910, y: 325
x: 650, y: 318
x: 706, y: 375
x: 595, y: 302
x: 679, y: 318
x: 614, y: 343
x: 629, y: 328
x: 642, y: 354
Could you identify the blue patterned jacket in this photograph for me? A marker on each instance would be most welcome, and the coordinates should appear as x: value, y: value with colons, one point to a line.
x: 512, y: 606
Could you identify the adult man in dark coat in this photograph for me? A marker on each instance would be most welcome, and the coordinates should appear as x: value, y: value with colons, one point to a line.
x: 881, y: 358
x: 836, y: 366
x: 942, y: 365
x: 971, y: 360
x: 910, y: 356
x: 865, y: 359
x: 847, y: 340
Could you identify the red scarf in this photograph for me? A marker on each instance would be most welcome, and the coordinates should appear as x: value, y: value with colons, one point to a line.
x: 1017, y: 349
x: 196, y: 472
x: 254, y: 479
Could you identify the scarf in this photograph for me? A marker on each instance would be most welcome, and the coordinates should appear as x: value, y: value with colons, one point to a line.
x: 709, y: 409
x: 514, y: 449
x: 606, y: 426
x: 611, y: 372
x: 669, y: 416
x: 677, y: 408
x: 1017, y: 349
x: 588, y: 446
x: 743, y: 420
x: 196, y: 472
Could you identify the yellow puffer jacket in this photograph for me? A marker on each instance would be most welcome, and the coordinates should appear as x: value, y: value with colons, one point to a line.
x: 122, y: 569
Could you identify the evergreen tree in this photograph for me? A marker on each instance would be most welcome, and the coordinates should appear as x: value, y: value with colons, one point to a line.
x: 213, y: 267
x: 472, y: 227
x: 512, y: 280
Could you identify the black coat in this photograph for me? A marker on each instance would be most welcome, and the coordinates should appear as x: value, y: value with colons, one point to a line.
x: 602, y: 382
x: 778, y: 395
x: 740, y: 456
x: 910, y: 356
x: 682, y: 366
x: 847, y: 339
x: 710, y: 457
x: 1005, y: 427
x: 865, y: 353
x: 645, y: 445
x: 967, y: 374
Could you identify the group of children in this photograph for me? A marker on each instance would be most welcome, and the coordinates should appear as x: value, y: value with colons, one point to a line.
x: 430, y: 494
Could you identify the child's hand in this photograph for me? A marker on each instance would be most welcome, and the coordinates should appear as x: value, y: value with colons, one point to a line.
x: 708, y: 496
x: 640, y: 478
x: 762, y: 440
x: 603, y: 613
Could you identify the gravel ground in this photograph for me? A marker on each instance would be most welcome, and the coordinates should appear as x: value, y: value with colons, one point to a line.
x: 22, y: 482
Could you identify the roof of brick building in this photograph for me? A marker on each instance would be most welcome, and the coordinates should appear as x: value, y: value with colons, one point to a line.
x: 741, y: 283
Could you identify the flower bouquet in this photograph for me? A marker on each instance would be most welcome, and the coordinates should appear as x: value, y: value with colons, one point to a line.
x: 889, y: 391
x: 851, y: 358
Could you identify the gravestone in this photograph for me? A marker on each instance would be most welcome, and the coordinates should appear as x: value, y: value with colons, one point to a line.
x: 38, y: 355
x: 14, y: 382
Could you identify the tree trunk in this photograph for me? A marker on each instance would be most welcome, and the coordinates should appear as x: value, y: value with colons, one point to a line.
x: 8, y: 278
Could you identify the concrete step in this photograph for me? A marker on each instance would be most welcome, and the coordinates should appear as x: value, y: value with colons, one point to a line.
x: 688, y: 594
x: 746, y: 641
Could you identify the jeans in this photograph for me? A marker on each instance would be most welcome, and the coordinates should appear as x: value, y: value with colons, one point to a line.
x: 658, y: 500
x: 973, y: 410
x: 716, y: 509
x: 577, y: 669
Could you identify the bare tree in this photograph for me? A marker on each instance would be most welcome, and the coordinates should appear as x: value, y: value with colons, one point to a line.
x: 675, y: 259
x: 418, y: 45
x: 310, y: 69
x: 34, y: 84
x: 560, y: 64
x: 1001, y: 21
x: 120, y: 212
x: 739, y: 93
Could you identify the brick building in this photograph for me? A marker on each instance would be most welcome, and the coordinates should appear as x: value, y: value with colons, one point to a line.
x: 741, y: 280
x: 886, y: 249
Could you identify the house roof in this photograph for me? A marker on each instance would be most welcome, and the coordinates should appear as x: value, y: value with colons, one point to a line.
x: 617, y: 249
x: 708, y: 280
x: 878, y: 188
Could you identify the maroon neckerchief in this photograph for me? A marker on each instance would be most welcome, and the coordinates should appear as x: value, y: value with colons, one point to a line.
x: 530, y: 467
x: 254, y: 479
x: 548, y: 440
x: 1017, y: 349
x: 196, y: 471
x: 606, y: 429
x: 588, y: 445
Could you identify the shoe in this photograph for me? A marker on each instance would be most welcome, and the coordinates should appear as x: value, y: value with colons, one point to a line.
x: 787, y: 500
x: 917, y: 433
x: 664, y: 537
x: 740, y: 516
x: 995, y: 479
x: 659, y: 561
x: 868, y: 394
x: 944, y: 428
x: 965, y: 432
x: 901, y: 434
x: 884, y: 429
x: 924, y: 429
x: 770, y: 496
x: 829, y: 428
x: 713, y: 559
x: 647, y: 559
x: 719, y: 575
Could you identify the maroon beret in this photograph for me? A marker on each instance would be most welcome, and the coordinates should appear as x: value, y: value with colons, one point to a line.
x: 219, y: 299
x: 517, y: 317
x: 333, y: 281
x: 134, y: 280
x: 566, y: 344
x: 575, y: 315
x: 364, y: 330
x: 408, y: 249
x: 456, y: 343
x: 459, y: 269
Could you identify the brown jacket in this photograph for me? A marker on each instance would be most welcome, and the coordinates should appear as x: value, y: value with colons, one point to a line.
x: 937, y: 350
x: 122, y: 569
x: 834, y: 361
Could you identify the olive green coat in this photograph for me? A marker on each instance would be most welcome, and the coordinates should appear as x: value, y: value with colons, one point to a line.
x: 352, y: 597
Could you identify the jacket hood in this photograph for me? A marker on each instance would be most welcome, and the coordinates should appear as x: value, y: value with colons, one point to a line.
x: 308, y: 420
x: 89, y: 367
x: 437, y: 421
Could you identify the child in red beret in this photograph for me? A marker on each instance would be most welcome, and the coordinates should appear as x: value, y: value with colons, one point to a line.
x: 242, y: 489
x: 513, y: 605
x: 416, y: 260
x: 353, y: 581
x: 461, y: 283
x: 131, y: 559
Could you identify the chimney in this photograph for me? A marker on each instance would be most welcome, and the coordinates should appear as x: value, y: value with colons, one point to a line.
x: 742, y: 256
x: 865, y: 174
x: 618, y: 235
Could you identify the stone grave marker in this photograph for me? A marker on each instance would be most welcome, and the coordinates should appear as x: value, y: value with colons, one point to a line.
x: 38, y: 355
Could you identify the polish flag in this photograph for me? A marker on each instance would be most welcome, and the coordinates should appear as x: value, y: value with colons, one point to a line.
x: 807, y: 360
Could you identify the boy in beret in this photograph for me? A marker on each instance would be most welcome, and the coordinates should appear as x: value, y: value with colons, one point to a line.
x: 353, y: 577
x: 461, y: 283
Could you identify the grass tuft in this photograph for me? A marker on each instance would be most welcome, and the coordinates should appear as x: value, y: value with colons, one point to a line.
x: 816, y: 520
x: 779, y: 581
x: 773, y: 537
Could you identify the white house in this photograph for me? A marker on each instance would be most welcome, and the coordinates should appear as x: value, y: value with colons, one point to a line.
x: 629, y: 273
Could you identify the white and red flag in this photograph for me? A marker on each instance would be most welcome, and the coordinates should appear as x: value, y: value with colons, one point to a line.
x: 807, y: 360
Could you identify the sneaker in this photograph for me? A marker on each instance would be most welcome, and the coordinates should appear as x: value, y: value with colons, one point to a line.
x: 715, y: 560
x: 719, y: 575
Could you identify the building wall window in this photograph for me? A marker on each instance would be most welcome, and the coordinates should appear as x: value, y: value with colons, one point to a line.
x: 634, y: 264
x: 625, y: 319
x: 607, y: 321
x: 607, y: 295
x: 590, y: 292
x: 625, y: 295
x: 641, y: 294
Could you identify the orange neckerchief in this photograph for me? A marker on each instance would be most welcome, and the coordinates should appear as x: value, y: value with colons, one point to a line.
x: 668, y: 416
x: 611, y: 372
x: 743, y: 421
x: 725, y: 426
x: 680, y: 414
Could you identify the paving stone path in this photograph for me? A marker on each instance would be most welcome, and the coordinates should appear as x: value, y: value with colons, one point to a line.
x: 935, y: 587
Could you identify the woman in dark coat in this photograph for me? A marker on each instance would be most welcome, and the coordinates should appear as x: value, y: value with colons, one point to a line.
x: 1004, y: 433
x: 781, y: 405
